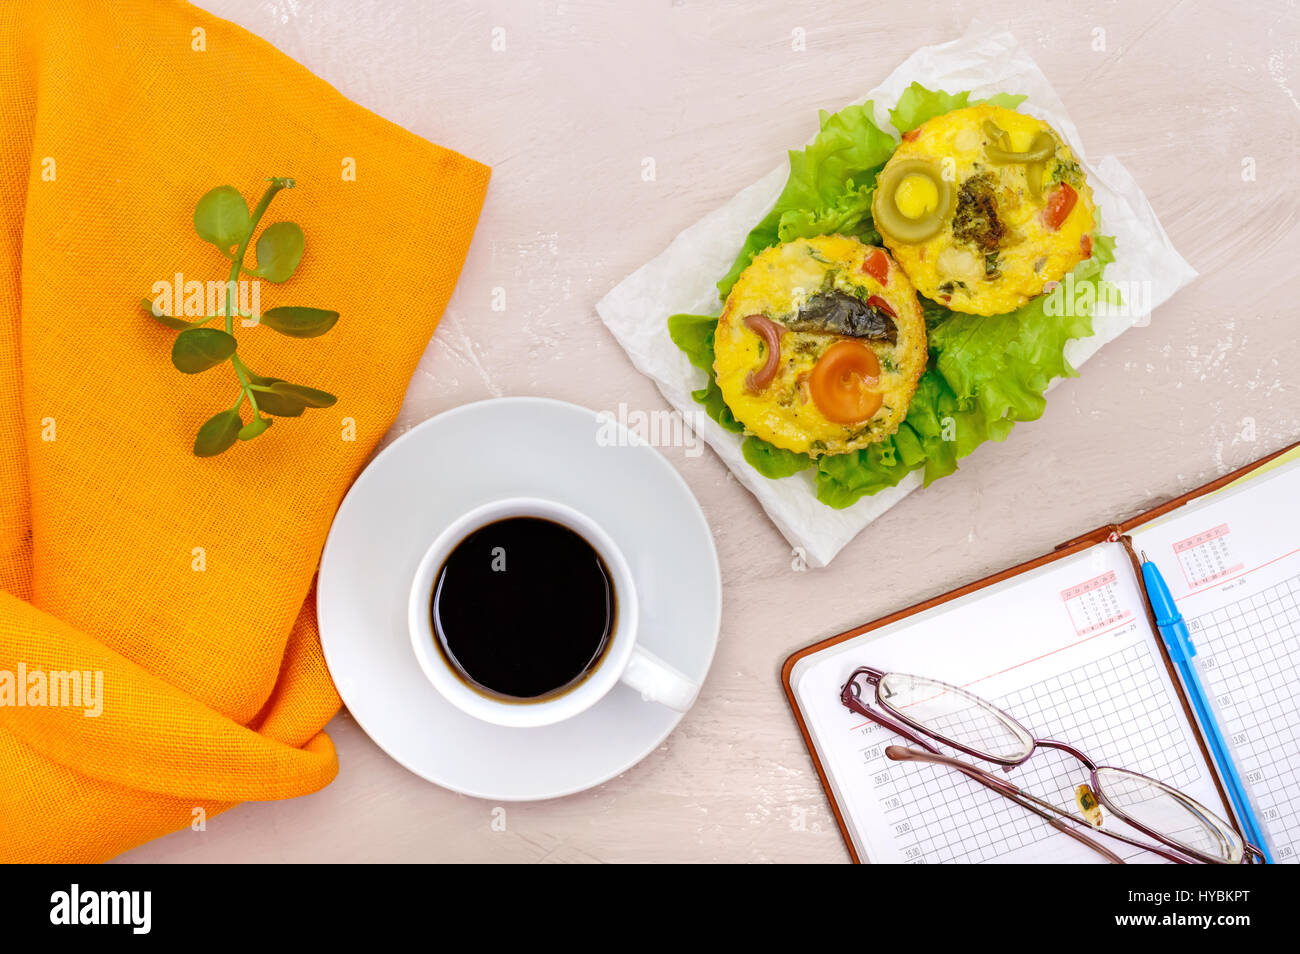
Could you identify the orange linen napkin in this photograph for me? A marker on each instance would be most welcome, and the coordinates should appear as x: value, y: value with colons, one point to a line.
x: 186, y: 582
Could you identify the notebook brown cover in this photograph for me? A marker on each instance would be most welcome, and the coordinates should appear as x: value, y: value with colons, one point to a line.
x: 1116, y: 531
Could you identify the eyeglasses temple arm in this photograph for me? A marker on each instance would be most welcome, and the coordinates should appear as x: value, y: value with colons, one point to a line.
x: 1079, y: 836
x: 899, y: 753
x: 1004, y: 788
x: 855, y: 705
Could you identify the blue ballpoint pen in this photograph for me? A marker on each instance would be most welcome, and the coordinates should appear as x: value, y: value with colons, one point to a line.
x: 1173, y: 630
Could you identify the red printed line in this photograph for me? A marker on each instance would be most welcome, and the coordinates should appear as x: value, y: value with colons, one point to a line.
x: 1204, y: 537
x: 1094, y: 584
x: 1001, y: 672
x: 1217, y: 577
x: 1243, y: 573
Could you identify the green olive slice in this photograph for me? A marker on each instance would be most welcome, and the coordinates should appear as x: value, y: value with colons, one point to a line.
x: 1034, y: 173
x: 1040, y: 150
x: 890, y: 219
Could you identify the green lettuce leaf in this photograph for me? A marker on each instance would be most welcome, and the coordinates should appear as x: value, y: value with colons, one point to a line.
x: 849, y: 148
x: 919, y: 105
x: 851, y: 215
x: 772, y: 461
x: 694, y: 335
x: 716, y: 407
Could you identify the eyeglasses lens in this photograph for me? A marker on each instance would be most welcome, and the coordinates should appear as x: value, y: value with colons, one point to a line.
x: 956, y: 716
x: 1167, y: 811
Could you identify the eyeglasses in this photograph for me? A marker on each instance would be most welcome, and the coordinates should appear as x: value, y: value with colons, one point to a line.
x: 926, y: 711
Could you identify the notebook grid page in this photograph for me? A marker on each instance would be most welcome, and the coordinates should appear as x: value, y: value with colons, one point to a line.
x: 1250, y: 655
x: 940, y: 816
x: 1067, y: 651
x: 1232, y: 562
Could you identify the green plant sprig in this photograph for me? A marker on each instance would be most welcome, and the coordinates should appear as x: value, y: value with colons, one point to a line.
x: 222, y: 218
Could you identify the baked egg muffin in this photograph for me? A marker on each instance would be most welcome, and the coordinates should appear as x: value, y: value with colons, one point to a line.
x: 820, y: 345
x: 982, y: 207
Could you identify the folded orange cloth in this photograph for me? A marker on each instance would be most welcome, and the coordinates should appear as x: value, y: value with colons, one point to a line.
x: 185, y: 582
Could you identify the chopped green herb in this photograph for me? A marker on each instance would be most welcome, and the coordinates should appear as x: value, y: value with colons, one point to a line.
x: 1067, y: 170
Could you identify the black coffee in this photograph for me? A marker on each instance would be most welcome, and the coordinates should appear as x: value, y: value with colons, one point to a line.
x: 523, y: 608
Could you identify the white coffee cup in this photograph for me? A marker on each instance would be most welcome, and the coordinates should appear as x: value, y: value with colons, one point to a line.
x: 623, y: 660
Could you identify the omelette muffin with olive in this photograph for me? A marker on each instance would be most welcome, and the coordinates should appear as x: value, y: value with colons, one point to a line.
x: 820, y: 345
x: 983, y: 207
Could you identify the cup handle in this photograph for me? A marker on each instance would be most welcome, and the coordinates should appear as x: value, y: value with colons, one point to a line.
x: 659, y: 682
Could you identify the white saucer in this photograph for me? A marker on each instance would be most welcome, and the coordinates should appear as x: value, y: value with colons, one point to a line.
x: 438, y: 470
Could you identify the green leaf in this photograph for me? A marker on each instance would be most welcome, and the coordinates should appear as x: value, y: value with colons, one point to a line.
x: 716, y: 407
x: 919, y: 105
x: 849, y: 148
x: 849, y: 215
x: 199, y: 349
x: 844, y: 479
x: 1005, y: 100
x: 694, y: 335
x: 279, y: 250
x: 254, y: 428
x: 299, y: 322
x: 168, y: 320
x: 310, y: 397
x: 288, y: 400
x: 218, y: 434
x: 771, y: 461
x: 222, y: 218
x: 281, y: 405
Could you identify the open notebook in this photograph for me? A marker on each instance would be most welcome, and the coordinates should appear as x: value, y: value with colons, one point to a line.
x: 1066, y: 644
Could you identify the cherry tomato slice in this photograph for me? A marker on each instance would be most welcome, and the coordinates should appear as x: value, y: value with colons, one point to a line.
x: 842, y: 380
x: 1059, y: 206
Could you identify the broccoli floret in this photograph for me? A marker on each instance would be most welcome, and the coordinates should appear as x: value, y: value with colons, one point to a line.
x: 976, y: 220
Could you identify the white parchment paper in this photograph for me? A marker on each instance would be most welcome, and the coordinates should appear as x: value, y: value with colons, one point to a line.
x: 683, y: 277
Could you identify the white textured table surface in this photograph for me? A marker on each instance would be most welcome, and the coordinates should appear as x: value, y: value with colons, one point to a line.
x: 1184, y: 93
